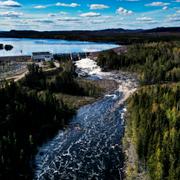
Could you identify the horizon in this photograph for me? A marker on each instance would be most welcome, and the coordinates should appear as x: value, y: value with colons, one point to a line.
x: 95, y: 29
x: 69, y: 15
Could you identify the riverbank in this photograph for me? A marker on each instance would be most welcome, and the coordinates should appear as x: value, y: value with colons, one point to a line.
x: 35, y: 110
x: 90, y: 145
x: 6, y: 59
x: 105, y: 116
x: 151, y: 131
x: 117, y: 50
x: 133, y: 168
x: 105, y: 87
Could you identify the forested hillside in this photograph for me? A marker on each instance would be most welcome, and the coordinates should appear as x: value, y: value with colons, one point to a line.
x: 25, y: 119
x: 154, y: 62
x: 119, y: 36
x: 30, y: 113
x: 153, y: 118
x: 153, y: 125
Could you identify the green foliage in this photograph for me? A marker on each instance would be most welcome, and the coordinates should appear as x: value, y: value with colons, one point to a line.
x: 30, y: 114
x: 155, y: 62
x: 35, y: 79
x: 154, y: 121
x: 65, y: 81
x: 62, y: 58
x: 154, y: 111
x: 26, y: 120
x: 51, y: 64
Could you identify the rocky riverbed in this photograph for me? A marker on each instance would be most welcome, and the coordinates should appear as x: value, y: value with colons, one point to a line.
x: 90, y: 148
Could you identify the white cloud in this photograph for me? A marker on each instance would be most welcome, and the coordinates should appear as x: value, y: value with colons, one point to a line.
x: 98, y: 6
x: 44, y: 21
x: 40, y: 7
x: 98, y: 21
x: 177, y: 1
x: 67, y: 5
x: 147, y: 22
x: 10, y: 3
x: 123, y: 11
x: 132, y: 0
x: 157, y: 3
x: 165, y: 8
x: 144, y: 18
x: 11, y: 14
x: 63, y: 13
x: 51, y: 15
x: 69, y: 19
x: 128, y: 0
x: 90, y: 14
x: 174, y: 19
x: 56, y: 14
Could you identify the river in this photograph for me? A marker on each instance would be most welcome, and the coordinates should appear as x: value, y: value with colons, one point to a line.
x: 90, y: 148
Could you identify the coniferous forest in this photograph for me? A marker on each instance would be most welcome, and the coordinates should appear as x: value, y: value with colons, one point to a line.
x: 154, y: 62
x: 153, y: 124
x: 89, y: 90
x: 30, y: 114
x: 30, y: 108
x: 153, y: 119
x: 25, y: 120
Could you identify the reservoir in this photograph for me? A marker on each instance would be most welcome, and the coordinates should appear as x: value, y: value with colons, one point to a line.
x: 25, y: 46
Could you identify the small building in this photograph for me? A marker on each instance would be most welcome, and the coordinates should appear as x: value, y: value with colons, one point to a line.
x: 42, y: 56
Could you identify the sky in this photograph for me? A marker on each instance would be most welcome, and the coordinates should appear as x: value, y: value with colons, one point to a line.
x: 47, y: 15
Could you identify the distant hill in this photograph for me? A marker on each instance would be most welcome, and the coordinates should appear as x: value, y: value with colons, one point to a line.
x: 120, y: 36
x: 120, y: 30
x: 163, y: 29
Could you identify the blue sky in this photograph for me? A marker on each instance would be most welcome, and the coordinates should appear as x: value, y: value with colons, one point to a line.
x: 87, y: 14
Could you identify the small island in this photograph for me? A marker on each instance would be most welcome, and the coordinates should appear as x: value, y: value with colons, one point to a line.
x: 6, y: 47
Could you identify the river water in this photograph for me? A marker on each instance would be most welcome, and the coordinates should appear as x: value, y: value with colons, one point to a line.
x: 91, y: 147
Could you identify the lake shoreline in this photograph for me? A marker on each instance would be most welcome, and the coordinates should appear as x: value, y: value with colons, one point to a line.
x: 107, y: 35
x: 93, y: 55
x: 25, y: 46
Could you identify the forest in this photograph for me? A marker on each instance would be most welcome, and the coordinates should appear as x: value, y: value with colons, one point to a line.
x: 25, y: 120
x: 154, y: 62
x: 118, y: 36
x: 30, y: 114
x: 153, y: 124
x: 153, y: 118
x: 59, y: 82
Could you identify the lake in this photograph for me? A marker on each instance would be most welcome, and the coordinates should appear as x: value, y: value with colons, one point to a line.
x: 24, y: 46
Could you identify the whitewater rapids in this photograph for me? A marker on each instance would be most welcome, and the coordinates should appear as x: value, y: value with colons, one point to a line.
x: 90, y: 148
